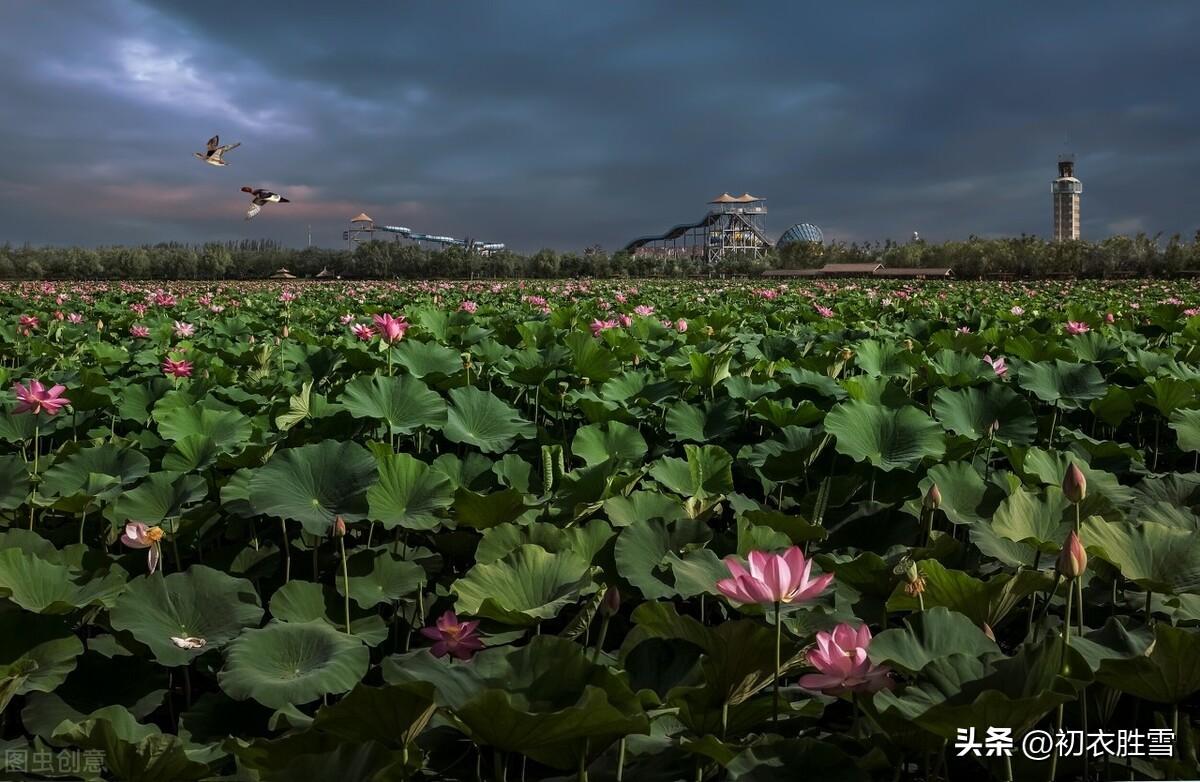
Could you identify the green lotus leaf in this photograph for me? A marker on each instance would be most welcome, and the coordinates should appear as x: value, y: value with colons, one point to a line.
x: 1062, y: 383
x: 702, y: 423
x: 966, y: 499
x: 984, y: 602
x: 1186, y: 424
x: 163, y: 495
x: 229, y: 430
x: 45, y: 587
x: 1167, y: 672
x: 1153, y: 556
x: 584, y: 540
x: 706, y: 472
x: 545, y: 699
x: 305, y: 601
x: 972, y: 412
x: 14, y: 482
x: 777, y: 761
x: 484, y: 511
x: 403, y: 402
x: 379, y: 576
x: 76, y: 474
x: 422, y: 359
x: 1050, y: 467
x: 525, y: 587
x: 878, y: 359
x: 288, y: 663
x: 928, y: 635
x: 481, y: 419
x: 132, y: 753
x: 310, y: 756
x: 313, y: 484
x: 409, y: 493
x: 199, y: 602
x: 36, y: 654
x: 888, y: 438
x: 193, y: 453
x: 643, y: 548
x: 597, y: 444
x: 393, y: 715
x: 1039, y: 520
x: 1119, y: 639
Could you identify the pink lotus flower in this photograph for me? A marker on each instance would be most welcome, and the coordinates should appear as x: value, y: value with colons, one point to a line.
x: 347, y: 319
x: 824, y: 312
x: 363, y: 331
x: 1109, y: 318
x: 177, y: 368
x: 963, y: 329
x: 287, y: 297
x: 75, y: 318
x: 391, y: 329
x: 625, y: 321
x: 138, y: 309
x: 468, y: 306
x: 681, y: 325
x: 1077, y: 327
x: 450, y: 636
x: 773, y: 578
x: 599, y: 326
x: 184, y: 330
x: 139, y: 332
x: 162, y: 299
x: 37, y: 399
x: 998, y: 365
x: 138, y: 535
x: 841, y: 658
x: 1018, y: 311
x: 644, y: 310
x: 27, y: 324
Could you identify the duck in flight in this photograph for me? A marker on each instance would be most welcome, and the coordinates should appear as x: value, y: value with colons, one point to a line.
x: 261, y: 197
x: 213, y: 155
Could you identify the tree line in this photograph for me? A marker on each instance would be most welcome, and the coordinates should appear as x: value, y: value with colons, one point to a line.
x: 1023, y: 256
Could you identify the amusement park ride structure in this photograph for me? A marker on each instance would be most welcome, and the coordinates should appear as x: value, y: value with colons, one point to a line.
x: 732, y: 226
x: 363, y: 228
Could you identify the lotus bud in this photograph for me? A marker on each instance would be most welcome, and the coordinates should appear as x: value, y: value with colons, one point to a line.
x: 563, y: 386
x: 611, y: 603
x: 933, y: 497
x: 846, y: 355
x: 339, y: 527
x: 1074, y: 484
x: 99, y: 325
x: 995, y: 427
x: 1072, y: 560
x: 987, y: 630
x: 286, y: 331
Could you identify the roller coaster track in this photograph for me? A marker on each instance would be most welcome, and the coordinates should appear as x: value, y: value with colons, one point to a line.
x: 679, y: 230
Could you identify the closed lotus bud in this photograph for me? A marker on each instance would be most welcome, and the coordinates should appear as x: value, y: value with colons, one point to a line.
x: 286, y: 331
x: 987, y: 630
x: 99, y: 325
x: 1074, y: 484
x: 1072, y: 560
x: 339, y: 527
x: 995, y: 427
x: 933, y: 497
x: 611, y: 603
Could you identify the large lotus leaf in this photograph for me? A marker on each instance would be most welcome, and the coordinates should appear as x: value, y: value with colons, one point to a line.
x: 596, y: 444
x: 878, y: 359
x: 193, y: 453
x: 545, y: 699
x: 14, y: 482
x: 481, y: 419
x: 966, y: 499
x: 290, y: 663
x: 929, y: 635
x: 889, y: 438
x: 704, y: 423
x: 1039, y: 520
x: 778, y: 761
x: 409, y: 493
x: 403, y: 402
x: 379, y: 576
x: 157, y: 757
x: 643, y: 548
x: 1167, y: 672
x: 585, y: 540
x: 484, y: 511
x: 706, y: 472
x: 972, y: 412
x: 310, y: 756
x: 199, y: 602
x: 625, y: 510
x: 50, y: 588
x: 225, y: 426
x: 1153, y: 556
x: 163, y: 495
x: 37, y: 653
x: 393, y: 715
x: 1119, y: 639
x: 1062, y: 383
x: 305, y: 601
x: 527, y: 586
x: 1186, y: 424
x: 422, y: 359
x: 590, y: 358
x: 77, y: 473
x: 1050, y: 467
x: 313, y: 484
x: 987, y: 601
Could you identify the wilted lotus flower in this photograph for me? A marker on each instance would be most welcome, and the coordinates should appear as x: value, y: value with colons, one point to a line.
x: 450, y: 636
x: 138, y: 535
x: 841, y: 658
x: 1074, y: 485
x: 37, y: 399
x: 190, y: 642
x: 773, y: 578
x: 1072, y: 559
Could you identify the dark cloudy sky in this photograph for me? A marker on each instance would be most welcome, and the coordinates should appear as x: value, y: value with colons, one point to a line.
x: 565, y: 123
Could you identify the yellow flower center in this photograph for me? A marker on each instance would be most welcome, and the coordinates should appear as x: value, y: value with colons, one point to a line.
x: 154, y: 534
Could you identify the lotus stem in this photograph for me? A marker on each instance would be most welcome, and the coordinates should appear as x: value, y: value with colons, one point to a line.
x: 82, y: 522
x: 500, y: 768
x: 778, y: 666
x: 37, y: 431
x: 345, y: 580
x: 621, y: 757
x: 1061, y: 666
x: 583, y: 772
x: 600, y: 637
x: 287, y: 552
x: 1148, y: 612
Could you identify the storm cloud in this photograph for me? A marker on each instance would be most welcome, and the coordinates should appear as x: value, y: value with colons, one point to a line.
x: 565, y: 124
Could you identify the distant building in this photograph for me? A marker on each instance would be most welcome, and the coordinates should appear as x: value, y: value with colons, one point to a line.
x: 1066, y: 191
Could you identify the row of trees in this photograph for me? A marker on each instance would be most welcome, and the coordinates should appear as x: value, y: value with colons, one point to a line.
x: 1023, y: 256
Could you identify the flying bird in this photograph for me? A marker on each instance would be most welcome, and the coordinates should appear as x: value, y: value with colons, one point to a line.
x: 261, y: 197
x: 213, y: 155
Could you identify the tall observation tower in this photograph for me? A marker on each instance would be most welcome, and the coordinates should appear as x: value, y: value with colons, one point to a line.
x: 1066, y: 191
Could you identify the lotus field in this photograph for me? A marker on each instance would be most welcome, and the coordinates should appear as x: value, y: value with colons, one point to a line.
x: 638, y: 530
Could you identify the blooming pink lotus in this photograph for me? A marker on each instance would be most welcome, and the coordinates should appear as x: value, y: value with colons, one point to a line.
x: 177, y: 368
x: 27, y: 324
x: 773, y: 578
x: 347, y: 319
x: 391, y: 329
x: 75, y: 318
x: 37, y: 399
x: 998, y: 365
x: 184, y: 329
x: 599, y: 326
x: 138, y: 535
x: 645, y: 310
x: 841, y: 658
x: 363, y: 331
x: 1109, y: 318
x: 1017, y: 310
x: 139, y: 332
x: 681, y: 325
x: 625, y: 321
x: 468, y: 306
x: 824, y: 312
x: 1077, y: 327
x: 450, y: 636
